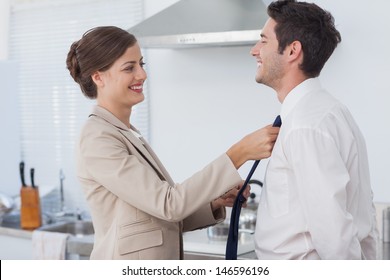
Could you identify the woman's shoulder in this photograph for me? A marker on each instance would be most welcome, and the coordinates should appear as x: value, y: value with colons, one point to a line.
x: 96, y: 128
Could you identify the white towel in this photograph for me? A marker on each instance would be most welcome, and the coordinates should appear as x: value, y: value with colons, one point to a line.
x: 49, y: 245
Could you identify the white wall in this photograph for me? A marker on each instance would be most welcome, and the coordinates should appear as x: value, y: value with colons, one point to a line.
x: 10, y: 138
x: 203, y: 100
x: 10, y: 182
x: 4, y: 26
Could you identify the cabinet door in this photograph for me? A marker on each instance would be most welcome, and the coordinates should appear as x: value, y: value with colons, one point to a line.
x: 15, y: 248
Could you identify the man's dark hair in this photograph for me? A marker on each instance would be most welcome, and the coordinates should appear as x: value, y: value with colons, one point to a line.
x: 312, y: 26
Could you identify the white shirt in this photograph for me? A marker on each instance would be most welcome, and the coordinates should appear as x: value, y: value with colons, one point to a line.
x: 316, y: 201
x: 135, y: 133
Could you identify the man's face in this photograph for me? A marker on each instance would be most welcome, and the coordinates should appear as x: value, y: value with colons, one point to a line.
x: 270, y: 64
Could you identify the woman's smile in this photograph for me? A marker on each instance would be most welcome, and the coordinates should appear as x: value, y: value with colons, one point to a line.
x: 138, y: 88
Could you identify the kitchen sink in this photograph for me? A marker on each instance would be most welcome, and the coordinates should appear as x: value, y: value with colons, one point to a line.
x: 76, y: 228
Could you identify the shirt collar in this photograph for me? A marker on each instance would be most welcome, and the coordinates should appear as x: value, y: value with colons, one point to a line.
x: 297, y: 93
x: 110, y: 118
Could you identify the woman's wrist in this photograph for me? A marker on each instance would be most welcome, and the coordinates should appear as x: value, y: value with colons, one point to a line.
x: 236, y: 155
x: 214, y: 205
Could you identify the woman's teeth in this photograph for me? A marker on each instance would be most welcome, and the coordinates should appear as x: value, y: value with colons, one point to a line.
x: 137, y: 88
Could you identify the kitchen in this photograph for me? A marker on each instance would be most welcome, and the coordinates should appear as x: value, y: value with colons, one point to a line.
x: 190, y: 101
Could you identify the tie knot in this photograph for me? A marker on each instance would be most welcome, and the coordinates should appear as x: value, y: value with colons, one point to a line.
x: 277, y: 122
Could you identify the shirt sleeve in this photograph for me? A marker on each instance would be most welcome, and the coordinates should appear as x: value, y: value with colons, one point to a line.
x: 320, y: 178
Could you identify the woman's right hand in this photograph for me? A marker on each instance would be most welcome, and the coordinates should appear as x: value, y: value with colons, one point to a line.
x: 254, y: 146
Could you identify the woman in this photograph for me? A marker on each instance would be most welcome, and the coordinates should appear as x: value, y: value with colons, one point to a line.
x: 138, y: 212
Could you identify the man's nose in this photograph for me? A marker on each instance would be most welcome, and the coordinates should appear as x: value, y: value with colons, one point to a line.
x: 255, y: 49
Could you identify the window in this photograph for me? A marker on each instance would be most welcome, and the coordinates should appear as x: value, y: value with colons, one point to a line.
x: 52, y: 107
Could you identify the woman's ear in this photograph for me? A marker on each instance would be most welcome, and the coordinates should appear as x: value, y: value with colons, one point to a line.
x: 97, y: 78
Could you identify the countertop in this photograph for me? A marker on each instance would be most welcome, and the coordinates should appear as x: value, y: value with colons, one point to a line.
x: 76, y: 246
x: 198, y: 242
x: 196, y: 245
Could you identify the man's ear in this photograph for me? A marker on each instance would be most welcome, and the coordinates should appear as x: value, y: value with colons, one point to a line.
x: 97, y: 78
x: 295, y: 50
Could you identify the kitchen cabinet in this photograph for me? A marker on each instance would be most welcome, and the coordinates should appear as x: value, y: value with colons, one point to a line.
x: 15, y: 244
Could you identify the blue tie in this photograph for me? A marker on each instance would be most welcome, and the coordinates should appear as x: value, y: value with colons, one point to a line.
x: 232, y: 242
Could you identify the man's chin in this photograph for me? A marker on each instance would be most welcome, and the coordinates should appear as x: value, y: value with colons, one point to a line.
x: 258, y: 80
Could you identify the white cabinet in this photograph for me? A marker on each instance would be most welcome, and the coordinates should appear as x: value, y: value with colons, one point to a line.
x: 15, y: 247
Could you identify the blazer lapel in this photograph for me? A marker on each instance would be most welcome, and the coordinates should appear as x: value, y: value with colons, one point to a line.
x: 137, y: 143
x: 158, y: 162
x: 145, y: 150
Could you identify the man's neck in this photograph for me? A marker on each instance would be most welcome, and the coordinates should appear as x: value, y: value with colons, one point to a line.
x: 288, y: 85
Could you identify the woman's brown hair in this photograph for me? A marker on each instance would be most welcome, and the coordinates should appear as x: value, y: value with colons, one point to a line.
x: 97, y: 50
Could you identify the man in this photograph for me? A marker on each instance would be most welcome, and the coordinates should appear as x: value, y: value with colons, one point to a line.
x: 317, y: 199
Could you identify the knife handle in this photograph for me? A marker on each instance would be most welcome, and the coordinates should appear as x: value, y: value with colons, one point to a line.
x: 21, y: 171
x: 32, y: 171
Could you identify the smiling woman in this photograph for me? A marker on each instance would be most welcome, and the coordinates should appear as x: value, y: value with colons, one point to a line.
x: 118, y: 73
x: 50, y: 109
x: 122, y: 84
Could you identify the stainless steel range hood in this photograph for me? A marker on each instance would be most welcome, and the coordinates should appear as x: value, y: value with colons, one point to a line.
x: 202, y: 23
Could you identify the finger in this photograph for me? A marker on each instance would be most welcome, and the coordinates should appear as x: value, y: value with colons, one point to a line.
x: 232, y: 193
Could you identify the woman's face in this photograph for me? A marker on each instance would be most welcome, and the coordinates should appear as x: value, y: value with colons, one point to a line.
x: 121, y: 86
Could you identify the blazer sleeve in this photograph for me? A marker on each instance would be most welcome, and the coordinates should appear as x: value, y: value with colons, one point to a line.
x: 105, y: 158
x: 204, y: 217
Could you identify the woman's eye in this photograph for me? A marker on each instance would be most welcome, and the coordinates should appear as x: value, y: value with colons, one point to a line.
x: 142, y: 64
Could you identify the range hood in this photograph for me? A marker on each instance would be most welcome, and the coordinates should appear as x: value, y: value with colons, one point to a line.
x: 202, y: 23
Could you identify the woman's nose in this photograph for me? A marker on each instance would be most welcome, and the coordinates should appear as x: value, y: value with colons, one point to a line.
x: 141, y: 74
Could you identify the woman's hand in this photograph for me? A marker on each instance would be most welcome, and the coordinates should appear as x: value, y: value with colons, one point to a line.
x: 227, y: 199
x: 254, y: 146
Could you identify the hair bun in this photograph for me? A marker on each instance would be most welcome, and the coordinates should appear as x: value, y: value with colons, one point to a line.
x: 72, y: 63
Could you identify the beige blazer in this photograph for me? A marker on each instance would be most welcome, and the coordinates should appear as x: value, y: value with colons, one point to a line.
x: 138, y: 212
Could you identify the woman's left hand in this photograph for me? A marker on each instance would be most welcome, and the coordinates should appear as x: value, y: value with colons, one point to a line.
x: 227, y: 199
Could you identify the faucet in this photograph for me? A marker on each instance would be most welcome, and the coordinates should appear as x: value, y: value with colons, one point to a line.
x: 65, y: 214
x: 62, y: 214
x: 62, y: 178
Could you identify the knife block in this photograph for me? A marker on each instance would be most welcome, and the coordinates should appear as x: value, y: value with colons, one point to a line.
x: 30, y: 209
